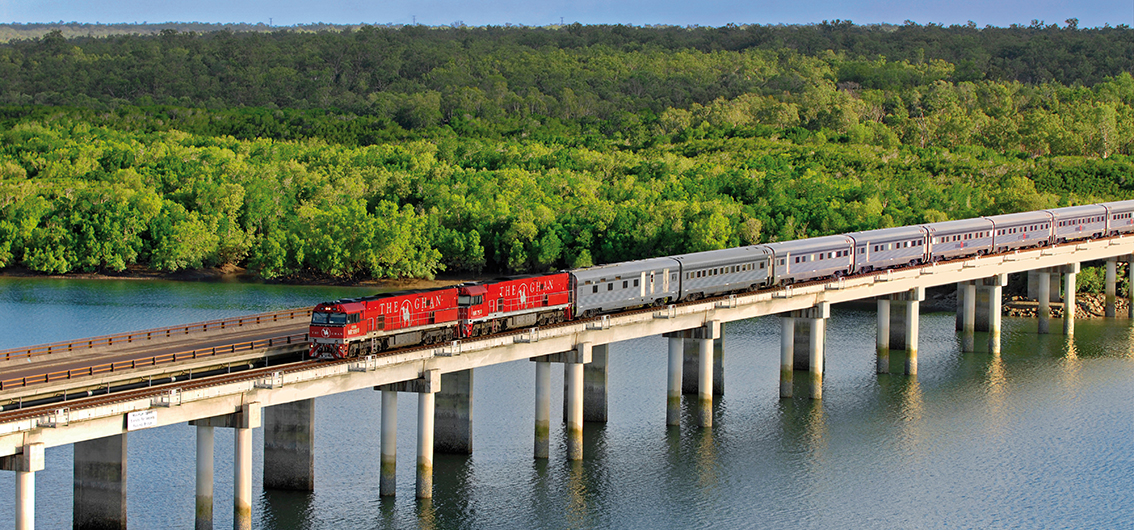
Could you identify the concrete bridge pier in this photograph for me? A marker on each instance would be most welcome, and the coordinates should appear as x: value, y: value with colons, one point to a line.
x: 426, y: 410
x: 802, y: 341
x: 453, y: 426
x: 388, y: 478
x: 968, y: 317
x: 100, y: 483
x: 1043, y: 314
x: 289, y: 446
x: 673, y: 387
x: 1069, y: 272
x: 205, y: 460
x: 594, y: 384
x: 995, y: 286
x: 542, y: 409
x: 815, y: 364
x: 882, y: 339
x: 1111, y: 287
x: 910, y: 321
x: 426, y: 387
x: 573, y: 378
x: 690, y: 384
x: 249, y: 416
x: 787, y: 355
x: 25, y: 464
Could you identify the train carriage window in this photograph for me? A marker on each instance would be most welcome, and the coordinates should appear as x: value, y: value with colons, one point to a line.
x: 594, y: 289
x: 761, y: 265
x: 625, y: 284
x: 610, y: 287
x: 636, y: 281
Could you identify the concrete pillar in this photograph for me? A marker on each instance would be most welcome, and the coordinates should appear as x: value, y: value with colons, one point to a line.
x: 594, y: 385
x: 204, y: 516
x: 542, y: 409
x: 242, y: 479
x: 25, y: 464
x: 961, y: 305
x: 801, y: 356
x: 289, y: 446
x: 718, y: 361
x: 100, y: 483
x: 787, y: 355
x: 1130, y: 283
x: 425, y: 414
x: 882, y: 338
x: 573, y: 376
x: 705, y: 383
x: 994, y: 312
x: 818, y: 332
x: 387, y: 482
x: 673, y: 389
x: 25, y: 500
x: 897, y: 324
x: 453, y: 425
x: 912, y: 317
x: 1111, y: 288
x: 968, y: 321
x: 690, y: 385
x: 1043, y: 314
x: 1069, y: 300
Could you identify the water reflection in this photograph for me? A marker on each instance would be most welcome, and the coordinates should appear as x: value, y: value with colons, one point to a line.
x: 287, y: 509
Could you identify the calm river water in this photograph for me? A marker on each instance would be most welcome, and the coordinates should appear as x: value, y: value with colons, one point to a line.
x: 1040, y: 437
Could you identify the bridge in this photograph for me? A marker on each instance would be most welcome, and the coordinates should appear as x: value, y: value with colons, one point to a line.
x: 248, y: 373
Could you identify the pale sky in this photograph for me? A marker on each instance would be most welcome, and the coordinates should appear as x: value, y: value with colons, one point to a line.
x: 536, y: 13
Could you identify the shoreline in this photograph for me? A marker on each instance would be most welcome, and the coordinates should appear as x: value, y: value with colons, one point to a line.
x: 236, y: 274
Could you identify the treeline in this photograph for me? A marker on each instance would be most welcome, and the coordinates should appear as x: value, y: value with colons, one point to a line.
x: 80, y: 197
x: 403, y: 152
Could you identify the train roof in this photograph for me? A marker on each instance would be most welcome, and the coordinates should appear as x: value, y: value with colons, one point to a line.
x: 390, y: 294
x: 611, y: 270
x: 750, y: 252
x: 1075, y: 211
x: 1121, y: 206
x: 808, y: 245
x: 960, y: 225
x: 1021, y: 217
x: 886, y: 234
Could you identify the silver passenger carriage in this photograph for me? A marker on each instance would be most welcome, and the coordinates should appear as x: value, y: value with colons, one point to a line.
x: 1021, y: 230
x: 1120, y: 217
x: 716, y: 272
x: 889, y: 247
x: 966, y: 237
x: 809, y: 259
x: 625, y: 285
x: 1079, y: 222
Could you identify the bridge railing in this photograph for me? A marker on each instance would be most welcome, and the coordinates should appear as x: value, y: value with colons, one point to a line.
x: 155, y: 360
x: 149, y: 334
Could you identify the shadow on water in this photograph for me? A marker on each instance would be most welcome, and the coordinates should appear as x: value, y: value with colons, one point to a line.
x: 453, y: 478
x: 287, y: 509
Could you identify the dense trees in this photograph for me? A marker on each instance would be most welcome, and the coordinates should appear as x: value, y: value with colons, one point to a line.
x: 385, y: 152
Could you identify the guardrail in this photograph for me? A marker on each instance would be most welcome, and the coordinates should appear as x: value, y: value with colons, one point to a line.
x: 148, y: 334
x: 155, y: 360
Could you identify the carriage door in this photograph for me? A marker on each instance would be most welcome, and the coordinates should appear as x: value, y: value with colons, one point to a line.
x: 665, y: 280
x: 642, y: 286
x: 651, y: 282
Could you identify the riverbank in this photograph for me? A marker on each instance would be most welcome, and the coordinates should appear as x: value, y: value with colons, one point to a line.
x: 232, y: 273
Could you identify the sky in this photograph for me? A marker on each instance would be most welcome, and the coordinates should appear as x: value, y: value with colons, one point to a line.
x: 1001, y: 13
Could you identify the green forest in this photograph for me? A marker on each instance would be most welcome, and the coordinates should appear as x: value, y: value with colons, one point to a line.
x: 402, y: 152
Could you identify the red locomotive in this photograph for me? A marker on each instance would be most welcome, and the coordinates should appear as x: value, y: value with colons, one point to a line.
x: 350, y: 327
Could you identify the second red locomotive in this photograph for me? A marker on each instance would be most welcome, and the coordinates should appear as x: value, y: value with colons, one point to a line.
x: 354, y: 326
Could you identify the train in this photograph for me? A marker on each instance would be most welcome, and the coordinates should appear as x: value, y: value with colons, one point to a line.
x: 367, y: 325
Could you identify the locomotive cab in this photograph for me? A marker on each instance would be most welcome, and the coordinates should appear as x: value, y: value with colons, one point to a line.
x: 333, y: 326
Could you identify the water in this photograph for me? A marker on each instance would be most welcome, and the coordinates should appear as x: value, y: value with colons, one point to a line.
x: 1040, y: 437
